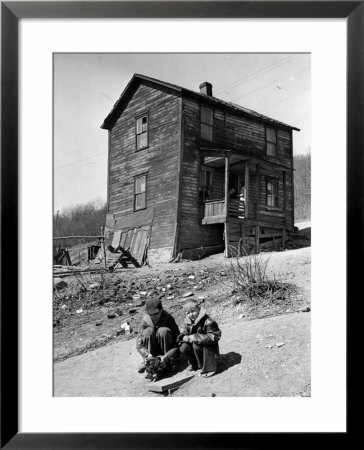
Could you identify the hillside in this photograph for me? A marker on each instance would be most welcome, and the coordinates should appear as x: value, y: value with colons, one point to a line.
x: 89, y: 312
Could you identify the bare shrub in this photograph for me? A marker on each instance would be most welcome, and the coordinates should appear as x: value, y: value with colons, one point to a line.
x: 249, y: 278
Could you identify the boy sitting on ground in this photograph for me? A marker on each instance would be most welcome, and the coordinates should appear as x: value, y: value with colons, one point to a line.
x: 199, y: 340
x: 157, y: 336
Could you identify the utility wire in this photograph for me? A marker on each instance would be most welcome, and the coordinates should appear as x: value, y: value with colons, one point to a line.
x: 80, y: 160
x: 260, y: 71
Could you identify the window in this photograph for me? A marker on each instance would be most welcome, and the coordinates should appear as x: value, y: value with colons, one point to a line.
x: 205, y: 184
x: 272, y: 193
x: 207, y: 121
x: 141, y: 128
x: 140, y: 188
x: 271, y: 138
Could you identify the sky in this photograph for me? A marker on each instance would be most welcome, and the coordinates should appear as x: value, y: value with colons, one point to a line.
x: 86, y: 86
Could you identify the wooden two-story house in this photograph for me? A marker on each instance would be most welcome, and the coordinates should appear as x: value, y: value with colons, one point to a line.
x: 188, y: 173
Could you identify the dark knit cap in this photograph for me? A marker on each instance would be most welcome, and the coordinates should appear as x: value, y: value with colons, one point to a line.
x: 153, y: 306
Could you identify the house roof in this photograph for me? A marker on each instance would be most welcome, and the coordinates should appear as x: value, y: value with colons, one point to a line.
x: 228, y: 106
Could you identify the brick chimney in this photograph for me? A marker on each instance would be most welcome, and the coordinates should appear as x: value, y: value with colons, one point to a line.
x: 206, y: 88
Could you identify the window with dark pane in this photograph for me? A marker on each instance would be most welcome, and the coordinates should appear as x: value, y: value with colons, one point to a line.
x: 142, y: 132
x: 205, y: 184
x: 207, y: 122
x: 140, y: 185
x: 272, y: 193
x: 271, y: 136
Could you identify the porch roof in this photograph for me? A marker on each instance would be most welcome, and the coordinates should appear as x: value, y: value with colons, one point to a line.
x: 214, y: 156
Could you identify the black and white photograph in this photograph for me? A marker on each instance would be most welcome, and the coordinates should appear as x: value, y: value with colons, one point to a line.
x: 181, y: 225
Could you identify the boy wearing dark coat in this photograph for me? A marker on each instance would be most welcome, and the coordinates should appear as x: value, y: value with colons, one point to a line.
x: 158, y: 335
x: 199, y: 340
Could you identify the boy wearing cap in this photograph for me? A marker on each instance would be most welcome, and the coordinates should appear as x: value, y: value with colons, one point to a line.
x: 158, y: 334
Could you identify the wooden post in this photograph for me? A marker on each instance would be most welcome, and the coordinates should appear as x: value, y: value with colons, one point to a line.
x: 284, y: 198
x: 257, y: 237
x: 226, y: 225
x: 103, y: 246
x: 243, y: 238
x: 258, y: 190
x: 283, y: 238
x: 246, y: 215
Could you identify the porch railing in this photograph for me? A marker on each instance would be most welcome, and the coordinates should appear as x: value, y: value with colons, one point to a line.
x: 216, y: 208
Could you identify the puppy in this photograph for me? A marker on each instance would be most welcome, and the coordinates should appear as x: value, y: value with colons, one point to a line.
x: 154, y: 368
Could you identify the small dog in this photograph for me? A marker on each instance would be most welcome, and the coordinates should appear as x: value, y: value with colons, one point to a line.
x: 154, y: 368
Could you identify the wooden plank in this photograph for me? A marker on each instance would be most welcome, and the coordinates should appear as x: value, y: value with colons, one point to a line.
x: 258, y: 192
x: 212, y: 219
x: 268, y: 212
x: 246, y: 214
x: 226, y: 227
x: 168, y: 383
x: 271, y: 243
x: 116, y: 238
x: 283, y: 238
x: 270, y: 235
x: 284, y: 197
x: 257, y: 232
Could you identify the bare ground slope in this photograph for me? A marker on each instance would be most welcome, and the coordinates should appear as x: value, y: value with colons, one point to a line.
x: 251, y: 364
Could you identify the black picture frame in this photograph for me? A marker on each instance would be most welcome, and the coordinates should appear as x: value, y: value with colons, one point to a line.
x: 11, y: 12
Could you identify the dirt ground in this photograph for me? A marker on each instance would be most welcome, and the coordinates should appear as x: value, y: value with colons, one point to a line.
x: 251, y: 365
x: 93, y: 358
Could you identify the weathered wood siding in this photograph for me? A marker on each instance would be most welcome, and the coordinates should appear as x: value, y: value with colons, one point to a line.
x: 191, y: 233
x: 159, y: 161
x: 238, y: 131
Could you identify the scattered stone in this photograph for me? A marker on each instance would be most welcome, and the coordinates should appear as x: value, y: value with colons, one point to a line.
x: 138, y: 305
x: 241, y: 316
x: 79, y: 311
x: 98, y: 323
x: 164, y: 289
x: 307, y: 309
x: 201, y: 298
x: 191, y: 277
x: 64, y: 306
x: 118, y: 312
x: 269, y: 346
x: 93, y: 286
x: 111, y: 315
x: 143, y: 293
x: 136, y: 297
x: 171, y: 297
x: 279, y: 344
x: 59, y: 283
x: 187, y: 294
x: 169, y: 286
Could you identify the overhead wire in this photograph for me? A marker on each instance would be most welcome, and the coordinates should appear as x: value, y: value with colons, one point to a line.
x: 259, y: 72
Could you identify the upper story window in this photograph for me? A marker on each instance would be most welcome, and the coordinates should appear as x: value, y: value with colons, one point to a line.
x: 207, y: 123
x: 271, y: 141
x: 205, y: 184
x: 272, y: 192
x: 140, y: 192
x: 141, y: 131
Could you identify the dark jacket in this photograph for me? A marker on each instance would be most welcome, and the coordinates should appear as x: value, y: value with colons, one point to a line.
x: 165, y: 320
x: 205, y: 330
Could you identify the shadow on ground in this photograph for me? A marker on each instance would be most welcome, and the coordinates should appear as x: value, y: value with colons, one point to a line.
x: 228, y: 360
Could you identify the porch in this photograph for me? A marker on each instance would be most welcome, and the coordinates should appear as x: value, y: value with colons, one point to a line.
x: 215, y: 211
